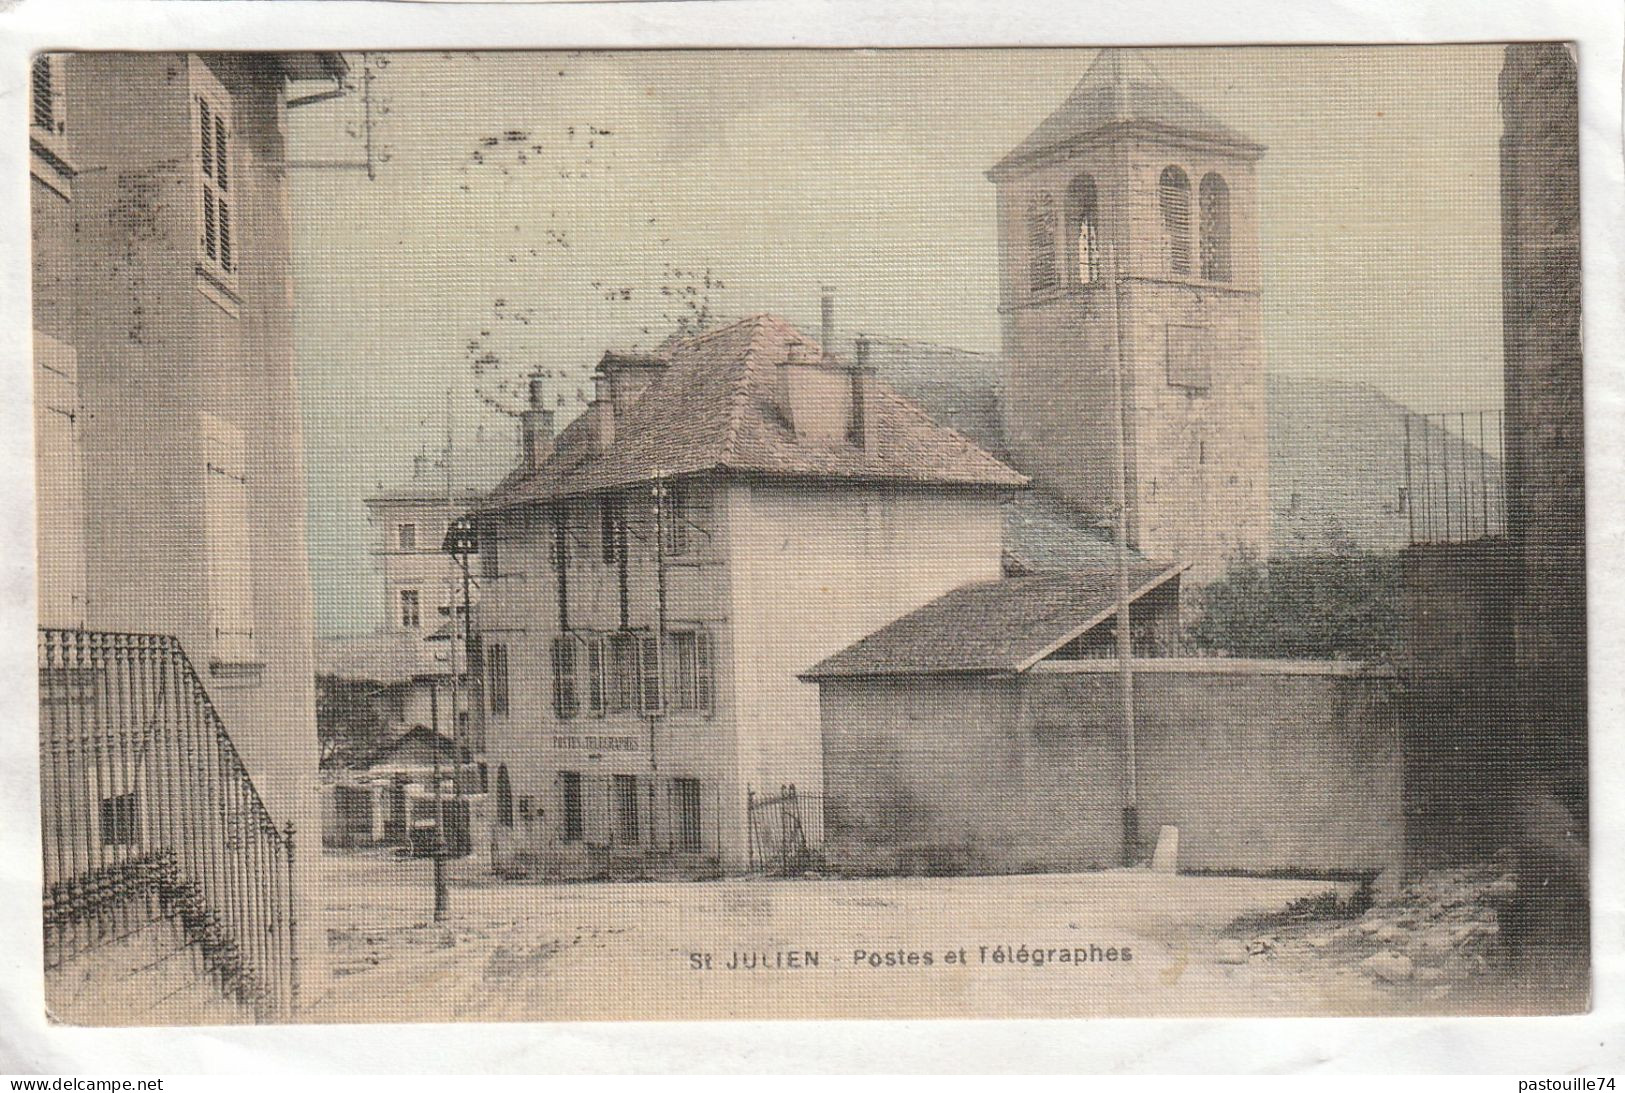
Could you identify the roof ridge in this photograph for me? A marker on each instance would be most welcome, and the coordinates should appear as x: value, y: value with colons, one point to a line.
x: 739, y: 395
x: 716, y: 332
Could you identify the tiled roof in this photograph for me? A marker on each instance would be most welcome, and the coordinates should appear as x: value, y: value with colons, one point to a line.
x: 1043, y: 534
x: 712, y: 409
x: 1120, y: 88
x: 424, y: 493
x: 993, y: 626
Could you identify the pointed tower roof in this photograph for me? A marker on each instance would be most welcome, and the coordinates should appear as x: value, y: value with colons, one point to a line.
x: 1120, y: 88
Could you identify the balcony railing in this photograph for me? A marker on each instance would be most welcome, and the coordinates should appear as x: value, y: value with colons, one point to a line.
x: 147, y: 808
x: 1454, y: 485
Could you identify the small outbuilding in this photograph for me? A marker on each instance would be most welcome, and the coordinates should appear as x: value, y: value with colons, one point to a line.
x: 984, y: 732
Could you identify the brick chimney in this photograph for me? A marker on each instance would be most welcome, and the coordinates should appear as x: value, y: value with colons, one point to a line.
x: 535, y: 427
x: 861, y: 432
x: 601, y: 416
x: 826, y: 326
x: 815, y: 396
x: 824, y: 400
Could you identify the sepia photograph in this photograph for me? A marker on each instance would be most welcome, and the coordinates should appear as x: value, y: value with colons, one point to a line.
x: 703, y: 534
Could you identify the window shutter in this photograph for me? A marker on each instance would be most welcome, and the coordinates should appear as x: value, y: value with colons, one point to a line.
x: 208, y: 223
x: 60, y: 496
x: 1174, y: 195
x: 496, y: 663
x: 705, y: 676
x: 558, y: 679
x: 225, y: 236
x: 206, y: 137
x: 649, y: 657
x: 228, y: 542
x: 218, y: 242
x: 221, y: 159
x: 1041, y: 244
x: 595, y: 676
x: 45, y: 104
x: 1215, y: 228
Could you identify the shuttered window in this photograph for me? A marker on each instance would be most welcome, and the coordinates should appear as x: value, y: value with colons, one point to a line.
x: 1214, y: 197
x: 229, y: 545
x: 1174, y: 196
x: 411, y: 609
x: 596, y: 679
x: 566, y: 696
x: 217, y: 241
x: 626, y: 808
x: 690, y: 678
x: 496, y: 674
x: 612, y: 518
x: 504, y: 797
x: 572, y: 817
x: 649, y: 675
x: 705, y: 689
x: 1041, y: 267
x: 46, y: 85
x: 621, y: 673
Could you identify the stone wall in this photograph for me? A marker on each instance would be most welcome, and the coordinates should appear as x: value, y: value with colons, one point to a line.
x: 1265, y: 766
x: 1541, y: 316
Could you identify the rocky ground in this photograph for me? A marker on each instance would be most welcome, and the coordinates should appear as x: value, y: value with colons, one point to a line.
x: 1434, y: 945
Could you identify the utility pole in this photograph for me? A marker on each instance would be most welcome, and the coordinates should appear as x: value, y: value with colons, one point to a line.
x: 442, y: 898
x: 1125, y: 636
x: 658, y: 494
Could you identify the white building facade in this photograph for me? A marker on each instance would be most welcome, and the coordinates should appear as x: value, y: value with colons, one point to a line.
x: 720, y: 519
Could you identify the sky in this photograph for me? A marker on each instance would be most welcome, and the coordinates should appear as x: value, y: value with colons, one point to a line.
x: 529, y: 210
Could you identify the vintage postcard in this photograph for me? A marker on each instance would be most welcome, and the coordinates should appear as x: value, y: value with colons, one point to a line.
x: 742, y: 533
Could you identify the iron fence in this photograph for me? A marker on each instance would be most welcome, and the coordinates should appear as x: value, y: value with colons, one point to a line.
x: 776, y: 830
x: 147, y: 809
x: 1454, y: 485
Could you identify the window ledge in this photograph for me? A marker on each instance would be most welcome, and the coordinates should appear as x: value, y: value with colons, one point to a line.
x: 218, y: 291
x: 1039, y: 299
x: 237, y: 673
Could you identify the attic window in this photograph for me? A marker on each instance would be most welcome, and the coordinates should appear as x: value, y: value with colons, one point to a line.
x: 1174, y: 196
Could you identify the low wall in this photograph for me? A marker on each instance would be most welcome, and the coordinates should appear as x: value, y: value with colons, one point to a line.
x: 1265, y: 766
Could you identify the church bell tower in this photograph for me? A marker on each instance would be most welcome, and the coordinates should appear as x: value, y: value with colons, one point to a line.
x: 1128, y: 239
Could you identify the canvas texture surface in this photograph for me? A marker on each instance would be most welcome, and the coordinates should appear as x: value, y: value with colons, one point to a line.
x: 904, y: 533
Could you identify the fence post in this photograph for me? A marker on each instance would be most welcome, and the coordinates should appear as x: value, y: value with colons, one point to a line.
x: 293, y: 923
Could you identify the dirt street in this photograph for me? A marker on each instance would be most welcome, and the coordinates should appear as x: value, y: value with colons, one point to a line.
x: 1121, y: 942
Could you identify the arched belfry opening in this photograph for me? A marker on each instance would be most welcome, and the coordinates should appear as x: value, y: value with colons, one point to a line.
x: 1083, y: 236
x: 1042, y: 272
x: 1129, y: 240
x: 1214, y: 197
x: 1174, y: 199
